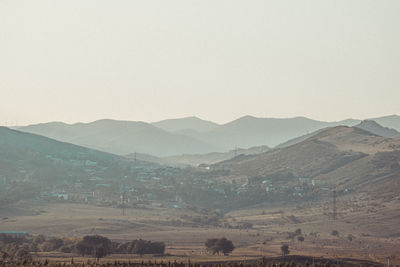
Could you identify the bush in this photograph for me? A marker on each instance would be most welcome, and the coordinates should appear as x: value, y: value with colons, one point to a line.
x: 52, y: 244
x: 335, y: 233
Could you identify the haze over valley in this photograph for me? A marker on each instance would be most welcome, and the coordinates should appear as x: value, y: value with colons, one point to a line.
x: 188, y: 133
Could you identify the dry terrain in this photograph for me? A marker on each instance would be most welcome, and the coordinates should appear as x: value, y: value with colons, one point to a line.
x: 370, y: 225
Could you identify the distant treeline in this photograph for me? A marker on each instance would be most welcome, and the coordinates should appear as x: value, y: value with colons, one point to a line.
x: 18, y: 247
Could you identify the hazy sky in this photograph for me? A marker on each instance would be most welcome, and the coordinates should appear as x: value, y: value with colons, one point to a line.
x: 82, y: 60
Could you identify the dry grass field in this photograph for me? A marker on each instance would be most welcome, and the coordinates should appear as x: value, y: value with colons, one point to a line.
x: 270, y: 230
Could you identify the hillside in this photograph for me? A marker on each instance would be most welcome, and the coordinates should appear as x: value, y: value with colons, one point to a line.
x: 392, y: 121
x: 250, y: 131
x: 188, y: 123
x: 31, y: 165
x: 375, y: 128
x: 37, y: 158
x: 122, y: 137
x: 348, y: 157
x: 367, y: 125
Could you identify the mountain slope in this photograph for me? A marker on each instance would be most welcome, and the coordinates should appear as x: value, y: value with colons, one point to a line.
x: 122, y: 137
x: 188, y: 123
x: 375, y: 128
x: 347, y: 157
x: 392, y: 121
x: 250, y: 131
x: 34, y: 157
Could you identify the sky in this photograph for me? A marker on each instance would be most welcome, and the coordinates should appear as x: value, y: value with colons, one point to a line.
x: 83, y: 60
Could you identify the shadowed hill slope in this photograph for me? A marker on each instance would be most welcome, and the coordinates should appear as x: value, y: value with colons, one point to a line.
x: 30, y: 157
x: 342, y: 156
x: 122, y: 137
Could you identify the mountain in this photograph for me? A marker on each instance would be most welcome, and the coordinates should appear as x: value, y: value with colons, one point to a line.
x: 250, y: 131
x: 34, y: 157
x: 197, y: 159
x: 189, y: 135
x: 392, y: 121
x: 122, y: 137
x: 375, y: 128
x: 188, y: 123
x: 344, y: 157
x: 367, y: 125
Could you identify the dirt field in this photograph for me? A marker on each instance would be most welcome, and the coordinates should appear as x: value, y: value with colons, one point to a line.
x: 270, y: 230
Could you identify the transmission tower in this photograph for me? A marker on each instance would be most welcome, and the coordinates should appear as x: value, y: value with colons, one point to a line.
x: 123, y: 203
x: 334, y: 208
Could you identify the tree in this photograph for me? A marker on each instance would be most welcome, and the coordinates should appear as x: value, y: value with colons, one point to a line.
x: 100, y: 251
x: 94, y: 245
x: 300, y: 238
x: 335, y: 233
x: 285, y: 249
x: 210, y: 244
x: 52, y: 244
x: 225, y: 245
x: 39, y: 239
x: 23, y: 254
x: 219, y: 245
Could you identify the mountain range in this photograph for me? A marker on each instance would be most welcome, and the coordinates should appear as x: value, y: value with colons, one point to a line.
x: 189, y: 135
x: 342, y: 157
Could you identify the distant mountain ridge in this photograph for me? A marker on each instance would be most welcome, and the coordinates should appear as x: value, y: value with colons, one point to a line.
x: 341, y: 156
x: 122, y: 137
x: 367, y: 125
x: 187, y: 123
x: 376, y: 128
x: 188, y: 135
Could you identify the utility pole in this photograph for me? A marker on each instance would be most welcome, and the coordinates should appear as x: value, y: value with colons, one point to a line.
x: 123, y: 203
x: 235, y: 153
x: 334, y: 211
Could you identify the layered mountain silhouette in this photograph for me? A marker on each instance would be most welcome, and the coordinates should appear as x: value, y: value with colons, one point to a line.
x: 375, y: 128
x: 122, y: 137
x: 189, y: 135
x: 367, y: 125
x: 341, y: 157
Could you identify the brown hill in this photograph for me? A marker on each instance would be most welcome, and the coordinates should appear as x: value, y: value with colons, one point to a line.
x: 344, y: 157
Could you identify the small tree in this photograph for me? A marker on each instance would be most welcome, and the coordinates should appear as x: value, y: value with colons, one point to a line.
x: 300, y: 238
x: 89, y: 244
x: 335, y: 233
x: 285, y: 249
x: 223, y: 245
x: 210, y: 245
